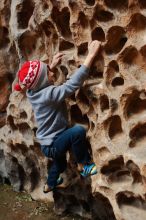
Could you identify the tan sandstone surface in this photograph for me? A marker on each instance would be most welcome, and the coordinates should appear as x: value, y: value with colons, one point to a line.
x: 111, y: 104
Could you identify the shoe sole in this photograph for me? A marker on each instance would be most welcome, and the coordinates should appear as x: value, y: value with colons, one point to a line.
x: 60, y: 185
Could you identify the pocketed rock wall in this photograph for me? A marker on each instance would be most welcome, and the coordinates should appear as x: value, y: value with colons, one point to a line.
x: 111, y: 104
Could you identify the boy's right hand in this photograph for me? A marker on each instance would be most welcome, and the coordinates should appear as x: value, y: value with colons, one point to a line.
x: 56, y: 60
x: 93, y: 48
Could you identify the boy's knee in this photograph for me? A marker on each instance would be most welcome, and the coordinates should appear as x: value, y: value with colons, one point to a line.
x: 80, y: 130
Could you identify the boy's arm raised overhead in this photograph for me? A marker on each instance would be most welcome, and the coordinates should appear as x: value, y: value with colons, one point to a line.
x: 59, y: 93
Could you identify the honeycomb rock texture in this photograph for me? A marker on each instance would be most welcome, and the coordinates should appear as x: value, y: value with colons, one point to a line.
x: 111, y: 104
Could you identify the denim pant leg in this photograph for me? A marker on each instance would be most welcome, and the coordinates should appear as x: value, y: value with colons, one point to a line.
x: 73, y: 138
x: 58, y: 166
x: 48, y: 150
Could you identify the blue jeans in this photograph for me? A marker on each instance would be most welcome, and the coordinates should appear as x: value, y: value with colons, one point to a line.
x: 72, y: 138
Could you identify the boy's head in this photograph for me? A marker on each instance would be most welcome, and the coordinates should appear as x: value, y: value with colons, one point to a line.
x: 34, y: 75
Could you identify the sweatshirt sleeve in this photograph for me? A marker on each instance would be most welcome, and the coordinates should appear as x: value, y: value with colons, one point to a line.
x: 59, y: 93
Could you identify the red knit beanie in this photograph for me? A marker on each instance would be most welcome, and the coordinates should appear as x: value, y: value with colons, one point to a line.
x: 28, y: 75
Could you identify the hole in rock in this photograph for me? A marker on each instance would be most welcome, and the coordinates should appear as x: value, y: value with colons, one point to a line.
x: 113, y: 166
x: 64, y: 70
x: 101, y: 15
x: 22, y: 177
x: 34, y: 129
x: 23, y: 115
x: 77, y: 117
x: 93, y: 98
x: 114, y: 4
x: 117, y: 81
x: 3, y: 114
x: 90, y: 2
x: 65, y: 45
x: 28, y: 43
x: 138, y: 132
x: 45, y: 6
x: 92, y: 126
x: 135, y: 171
x: 3, y: 117
x: 55, y: 40
x: 131, y: 203
x: 10, y: 121
x: 137, y: 22
x: 114, y: 65
x: 98, y: 34
x: 10, y: 77
x: 116, y: 40
x: 23, y: 127
x: 83, y: 102
x: 85, y: 205
x: 4, y: 37
x: 104, y: 102
x: 133, y: 143
x: 48, y: 28
x: 62, y: 20
x: 129, y: 54
x: 35, y: 178
x: 95, y: 73
x: 14, y: 159
x: 2, y: 154
x: 72, y: 65
x: 7, y: 181
x: 73, y: 5
x: 19, y: 147
x: 34, y: 174
x: 82, y: 98
x: 73, y: 98
x: 72, y: 62
x: 134, y: 104
x: 83, y: 49
x: 112, y: 70
x: 101, y: 207
x: 25, y: 11
x: 72, y: 202
x: 115, y: 127
x: 83, y: 20
x: 57, y: 75
x: 142, y: 3
x: 97, y: 69
x: 143, y: 51
x: 125, y: 197
x: 120, y: 177
x: 16, y: 173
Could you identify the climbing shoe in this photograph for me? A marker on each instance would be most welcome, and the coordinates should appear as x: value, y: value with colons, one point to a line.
x: 49, y: 189
x: 89, y: 170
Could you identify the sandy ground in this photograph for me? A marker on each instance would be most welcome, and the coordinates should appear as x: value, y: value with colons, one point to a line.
x: 20, y: 206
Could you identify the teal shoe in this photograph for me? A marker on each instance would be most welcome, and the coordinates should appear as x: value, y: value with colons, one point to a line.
x: 89, y: 170
x: 59, y: 180
x: 49, y: 189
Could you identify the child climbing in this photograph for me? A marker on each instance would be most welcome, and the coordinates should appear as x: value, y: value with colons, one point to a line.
x: 48, y: 103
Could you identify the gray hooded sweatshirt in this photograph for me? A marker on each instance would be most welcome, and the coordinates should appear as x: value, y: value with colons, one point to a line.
x: 48, y: 103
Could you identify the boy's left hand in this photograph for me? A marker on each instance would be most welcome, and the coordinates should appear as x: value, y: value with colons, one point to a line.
x: 56, y: 60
